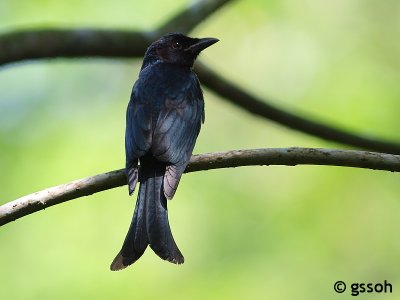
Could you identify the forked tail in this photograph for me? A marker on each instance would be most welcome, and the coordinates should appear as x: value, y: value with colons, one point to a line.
x: 149, y: 224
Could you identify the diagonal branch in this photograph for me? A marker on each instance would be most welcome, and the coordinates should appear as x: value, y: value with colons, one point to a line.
x: 259, y: 107
x: 235, y: 158
x: 192, y: 16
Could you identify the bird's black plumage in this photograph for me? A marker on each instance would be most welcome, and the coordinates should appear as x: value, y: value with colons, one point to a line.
x: 163, y: 119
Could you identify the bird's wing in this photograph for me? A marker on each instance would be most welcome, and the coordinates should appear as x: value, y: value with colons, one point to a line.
x: 176, y: 130
x: 137, y: 135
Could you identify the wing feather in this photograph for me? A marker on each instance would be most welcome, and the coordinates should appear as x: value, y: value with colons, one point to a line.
x: 176, y: 131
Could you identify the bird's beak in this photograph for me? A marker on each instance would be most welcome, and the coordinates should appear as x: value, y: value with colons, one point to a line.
x: 201, y: 44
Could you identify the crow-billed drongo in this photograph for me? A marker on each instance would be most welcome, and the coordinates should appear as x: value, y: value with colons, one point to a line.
x: 163, y: 119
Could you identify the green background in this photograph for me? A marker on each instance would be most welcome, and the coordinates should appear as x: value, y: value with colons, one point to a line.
x: 246, y: 233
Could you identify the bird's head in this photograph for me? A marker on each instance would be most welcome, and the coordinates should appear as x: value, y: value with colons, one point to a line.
x: 176, y: 48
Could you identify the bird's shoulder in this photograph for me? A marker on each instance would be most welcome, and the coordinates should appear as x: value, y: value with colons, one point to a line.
x: 168, y: 80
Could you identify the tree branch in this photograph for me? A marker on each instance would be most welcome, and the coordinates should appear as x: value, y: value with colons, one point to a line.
x: 189, y: 18
x: 23, y: 45
x: 262, y: 108
x: 29, y: 44
x: 279, y: 156
x: 83, y: 42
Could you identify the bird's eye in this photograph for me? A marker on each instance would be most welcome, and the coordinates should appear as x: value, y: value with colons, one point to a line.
x: 177, y: 45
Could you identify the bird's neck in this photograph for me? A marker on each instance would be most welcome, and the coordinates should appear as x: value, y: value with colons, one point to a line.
x: 158, y: 62
x: 150, y: 60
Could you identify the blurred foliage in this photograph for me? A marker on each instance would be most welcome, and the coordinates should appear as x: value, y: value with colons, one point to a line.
x: 246, y: 233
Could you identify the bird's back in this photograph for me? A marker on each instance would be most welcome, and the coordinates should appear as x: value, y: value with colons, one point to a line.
x: 169, y: 97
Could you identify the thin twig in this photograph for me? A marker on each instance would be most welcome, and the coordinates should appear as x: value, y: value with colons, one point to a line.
x: 280, y: 156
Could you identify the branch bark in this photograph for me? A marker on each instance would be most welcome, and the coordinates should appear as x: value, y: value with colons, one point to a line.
x: 230, y: 159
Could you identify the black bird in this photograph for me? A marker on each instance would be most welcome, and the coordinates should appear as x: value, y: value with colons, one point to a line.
x: 163, y: 120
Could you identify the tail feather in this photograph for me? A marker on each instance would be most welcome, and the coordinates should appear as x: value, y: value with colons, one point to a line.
x: 149, y: 224
x: 136, y: 240
x: 158, y: 230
